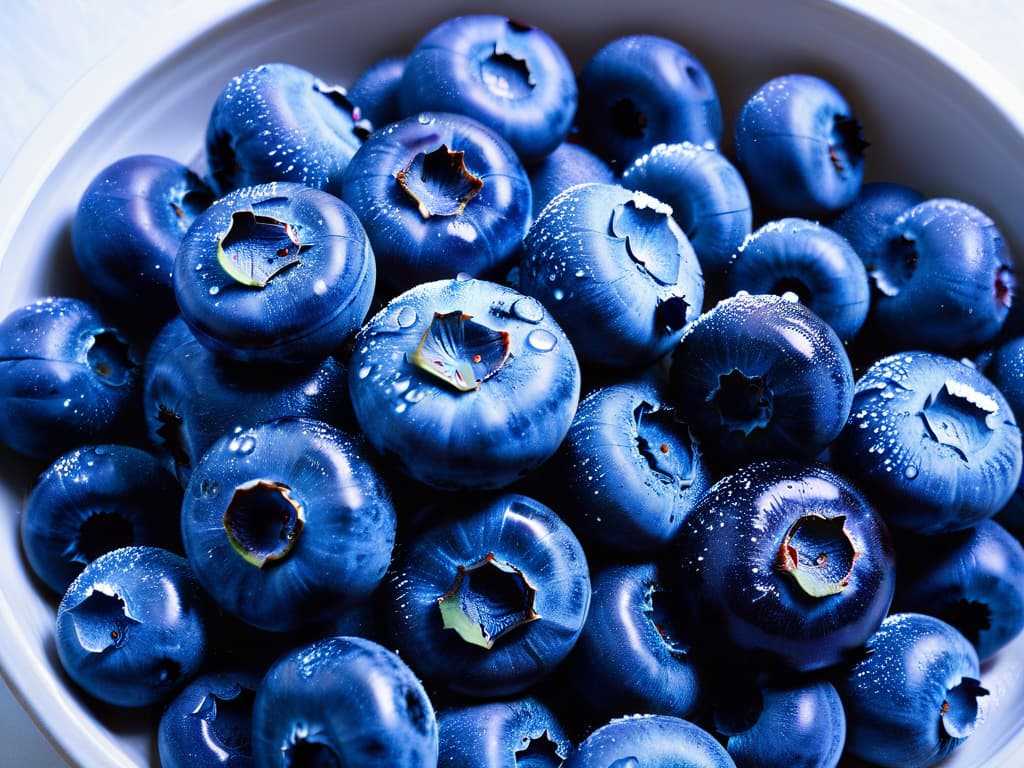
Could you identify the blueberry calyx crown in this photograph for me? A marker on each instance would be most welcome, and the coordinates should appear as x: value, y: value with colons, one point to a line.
x: 102, y: 622
x: 744, y: 403
x: 848, y: 144
x: 644, y: 224
x: 460, y: 351
x: 656, y: 436
x: 263, y: 521
x: 229, y: 717
x: 488, y: 599
x: 256, y: 248
x: 959, y: 713
x: 110, y: 358
x: 957, y: 416
x: 506, y: 72
x: 439, y: 182
x: 818, y: 554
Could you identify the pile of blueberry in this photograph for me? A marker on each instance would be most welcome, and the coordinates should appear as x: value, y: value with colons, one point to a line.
x: 493, y: 413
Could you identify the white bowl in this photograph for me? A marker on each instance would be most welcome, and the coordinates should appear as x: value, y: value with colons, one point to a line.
x: 937, y: 119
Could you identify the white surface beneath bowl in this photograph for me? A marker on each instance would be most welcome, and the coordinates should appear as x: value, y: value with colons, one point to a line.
x: 940, y: 121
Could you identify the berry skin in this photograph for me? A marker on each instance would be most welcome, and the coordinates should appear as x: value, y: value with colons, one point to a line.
x: 798, y: 144
x: 439, y: 194
x: 67, y: 377
x: 777, y: 545
x: 627, y: 473
x: 464, y: 384
x: 116, y: 637
x: 654, y: 741
x: 761, y: 377
x: 809, y: 260
x: 278, y: 272
x: 287, y: 524
x: 192, y: 396
x: 642, y: 90
x: 514, y: 733
x: 92, y: 500
x: 343, y: 700
x: 971, y: 579
x: 932, y: 443
x: 944, y: 279
x: 279, y: 122
x: 128, y: 226
x: 708, y: 196
x: 914, y: 696
x: 866, y: 220
x: 794, y: 725
x: 615, y: 270
x: 510, y: 76
x: 208, y: 724
x: 489, y: 600
x: 567, y: 165
x: 634, y: 654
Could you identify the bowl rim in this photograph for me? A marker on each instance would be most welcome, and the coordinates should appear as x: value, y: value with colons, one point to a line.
x: 158, y: 41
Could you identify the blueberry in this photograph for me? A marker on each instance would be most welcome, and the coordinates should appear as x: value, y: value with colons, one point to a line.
x: 95, y: 499
x: 192, y: 396
x: 638, y: 91
x: 627, y: 473
x: 650, y: 741
x: 375, y: 92
x: 931, y: 441
x: 280, y: 122
x: 342, y: 701
x: 914, y: 696
x: 128, y: 226
x: 277, y: 272
x: 708, y: 196
x: 464, y: 384
x: 287, y: 524
x: 508, y: 75
x: 439, y: 194
x: 780, y: 545
x: 488, y: 601
x: 795, y: 725
x: 567, y: 165
x: 809, y: 260
x: 115, y: 634
x: 971, y: 579
x: 512, y: 733
x: 67, y: 377
x: 799, y: 146
x: 866, y: 220
x: 615, y: 270
x: 634, y: 652
x: 944, y: 279
x: 761, y: 377
x: 208, y: 724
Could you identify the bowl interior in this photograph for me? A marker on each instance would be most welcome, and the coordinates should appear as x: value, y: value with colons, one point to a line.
x: 928, y: 124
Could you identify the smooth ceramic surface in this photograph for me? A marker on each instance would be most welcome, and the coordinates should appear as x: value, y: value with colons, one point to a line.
x: 943, y: 122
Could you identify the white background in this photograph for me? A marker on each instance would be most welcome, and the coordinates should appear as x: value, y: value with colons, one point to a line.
x: 46, y: 46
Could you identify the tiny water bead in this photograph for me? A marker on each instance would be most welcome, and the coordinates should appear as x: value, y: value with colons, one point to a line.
x: 541, y: 340
x: 528, y: 309
x: 406, y: 316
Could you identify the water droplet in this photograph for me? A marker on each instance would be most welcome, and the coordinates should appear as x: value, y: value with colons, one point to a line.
x: 406, y: 317
x: 414, y: 395
x: 214, y: 290
x: 463, y: 277
x: 528, y: 309
x: 400, y: 408
x: 910, y: 472
x: 320, y: 287
x: 365, y: 371
x: 424, y: 119
x: 558, y: 294
x: 541, y: 340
